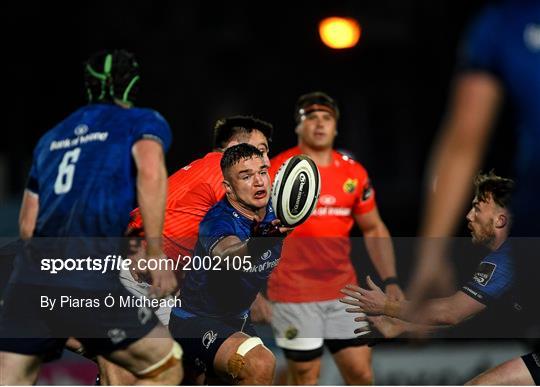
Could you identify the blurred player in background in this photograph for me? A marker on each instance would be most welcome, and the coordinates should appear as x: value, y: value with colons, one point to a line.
x: 242, y: 237
x: 316, y: 263
x: 496, y: 285
x: 499, y: 59
x: 88, y: 172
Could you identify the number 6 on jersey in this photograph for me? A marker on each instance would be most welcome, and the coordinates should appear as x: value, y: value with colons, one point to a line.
x: 66, y: 170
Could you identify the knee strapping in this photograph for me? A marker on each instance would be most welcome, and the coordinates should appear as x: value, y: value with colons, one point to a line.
x: 169, y: 361
x: 237, y: 361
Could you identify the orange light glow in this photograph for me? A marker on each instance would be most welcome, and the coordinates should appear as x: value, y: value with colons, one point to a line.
x: 339, y: 32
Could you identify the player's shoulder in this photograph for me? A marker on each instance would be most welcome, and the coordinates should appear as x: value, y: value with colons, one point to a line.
x: 219, y: 215
x: 503, y: 255
x: 220, y: 210
x: 145, y: 113
x: 347, y: 162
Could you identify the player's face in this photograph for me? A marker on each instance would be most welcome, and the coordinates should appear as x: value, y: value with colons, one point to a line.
x: 317, y: 130
x: 259, y: 141
x: 481, y: 220
x: 249, y: 183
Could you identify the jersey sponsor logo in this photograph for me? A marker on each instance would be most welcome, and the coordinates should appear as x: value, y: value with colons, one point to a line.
x: 332, y: 211
x: 484, y: 273
x: 367, y: 191
x: 79, y: 140
x: 350, y: 185
x: 531, y: 36
x: 267, y: 265
x: 208, y: 338
x: 327, y: 200
x: 267, y: 254
x: 81, y: 130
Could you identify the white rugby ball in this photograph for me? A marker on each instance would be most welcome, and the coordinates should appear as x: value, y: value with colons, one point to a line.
x: 295, y: 190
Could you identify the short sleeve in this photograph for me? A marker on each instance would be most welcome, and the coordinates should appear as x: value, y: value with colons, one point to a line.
x: 479, y: 47
x: 365, y: 194
x: 492, y: 279
x: 151, y: 125
x: 213, y: 230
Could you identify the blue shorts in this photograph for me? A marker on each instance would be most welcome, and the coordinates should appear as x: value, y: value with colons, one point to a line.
x: 27, y: 327
x: 201, y: 337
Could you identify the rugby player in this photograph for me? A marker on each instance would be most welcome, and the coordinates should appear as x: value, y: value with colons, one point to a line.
x: 191, y: 192
x: 315, y: 263
x: 496, y: 282
x: 87, y: 174
x: 242, y: 238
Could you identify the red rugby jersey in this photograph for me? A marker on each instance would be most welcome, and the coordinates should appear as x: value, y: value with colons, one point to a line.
x: 315, y: 262
x: 192, y: 191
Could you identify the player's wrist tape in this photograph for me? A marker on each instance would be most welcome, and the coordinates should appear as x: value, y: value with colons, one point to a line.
x: 392, y: 308
x: 170, y: 360
x: 391, y: 281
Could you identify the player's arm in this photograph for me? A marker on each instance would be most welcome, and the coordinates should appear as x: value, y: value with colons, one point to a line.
x: 391, y: 327
x: 28, y: 214
x: 455, y: 158
x: 262, y: 238
x: 380, y: 248
x: 438, y: 311
x: 151, y: 196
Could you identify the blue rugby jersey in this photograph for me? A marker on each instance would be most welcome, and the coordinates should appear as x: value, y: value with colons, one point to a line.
x: 229, y: 292
x: 84, y: 173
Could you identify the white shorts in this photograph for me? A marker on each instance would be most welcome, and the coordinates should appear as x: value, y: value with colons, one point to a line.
x: 304, y: 326
x: 140, y: 289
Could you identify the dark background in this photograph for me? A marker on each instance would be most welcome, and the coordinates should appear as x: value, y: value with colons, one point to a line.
x: 204, y: 60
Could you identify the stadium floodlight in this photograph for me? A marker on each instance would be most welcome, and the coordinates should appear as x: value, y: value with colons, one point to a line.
x: 339, y: 32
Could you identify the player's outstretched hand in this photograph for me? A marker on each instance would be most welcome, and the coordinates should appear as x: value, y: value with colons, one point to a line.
x: 388, y: 327
x: 368, y: 301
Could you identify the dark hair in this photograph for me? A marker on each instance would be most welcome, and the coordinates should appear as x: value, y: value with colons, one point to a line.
x: 226, y: 129
x: 236, y: 153
x: 314, y: 98
x: 111, y: 75
x: 499, y: 188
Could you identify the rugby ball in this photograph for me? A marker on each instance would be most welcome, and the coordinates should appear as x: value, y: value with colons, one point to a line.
x: 295, y: 190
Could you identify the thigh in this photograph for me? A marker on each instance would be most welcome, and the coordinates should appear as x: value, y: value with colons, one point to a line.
x: 515, y: 372
x: 18, y: 369
x: 25, y: 327
x: 104, y: 330
x: 201, y: 338
x: 144, y: 352
x: 338, y: 324
x: 298, y: 326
